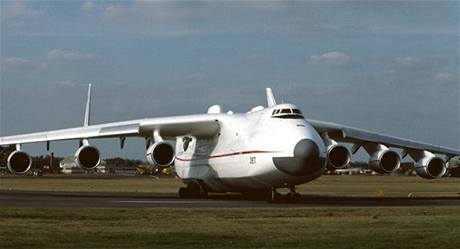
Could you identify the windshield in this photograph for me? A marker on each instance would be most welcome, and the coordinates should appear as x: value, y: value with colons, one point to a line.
x: 287, y: 113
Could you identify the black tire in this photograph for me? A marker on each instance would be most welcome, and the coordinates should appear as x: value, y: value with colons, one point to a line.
x: 296, y: 197
x: 183, y: 192
x: 256, y: 194
x: 204, y: 194
x: 194, y: 190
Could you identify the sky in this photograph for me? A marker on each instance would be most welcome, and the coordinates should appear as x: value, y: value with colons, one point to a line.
x: 386, y: 66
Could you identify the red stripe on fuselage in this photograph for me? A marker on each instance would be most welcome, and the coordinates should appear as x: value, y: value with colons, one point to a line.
x: 228, y: 154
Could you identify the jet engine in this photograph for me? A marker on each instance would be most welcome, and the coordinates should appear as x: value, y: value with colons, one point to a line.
x: 384, y: 160
x: 338, y: 156
x: 160, y: 154
x: 430, y: 167
x: 19, y: 162
x: 87, y: 157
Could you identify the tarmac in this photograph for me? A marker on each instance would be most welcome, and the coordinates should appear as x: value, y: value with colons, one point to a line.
x: 41, y: 199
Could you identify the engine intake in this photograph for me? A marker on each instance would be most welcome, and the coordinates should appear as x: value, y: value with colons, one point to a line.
x: 338, y: 156
x: 431, y: 167
x: 385, y: 161
x: 19, y: 162
x: 87, y: 157
x: 160, y: 154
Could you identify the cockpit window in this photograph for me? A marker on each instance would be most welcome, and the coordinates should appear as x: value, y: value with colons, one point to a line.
x: 286, y: 111
x: 297, y: 111
x: 287, y: 114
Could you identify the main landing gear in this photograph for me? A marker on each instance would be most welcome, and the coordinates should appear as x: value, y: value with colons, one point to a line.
x: 290, y: 197
x: 193, y: 190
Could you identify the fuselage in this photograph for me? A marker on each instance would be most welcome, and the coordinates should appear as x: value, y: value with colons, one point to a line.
x: 260, y: 149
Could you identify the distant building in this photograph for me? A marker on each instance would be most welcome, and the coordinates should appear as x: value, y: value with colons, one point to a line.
x: 69, y: 166
x: 349, y: 171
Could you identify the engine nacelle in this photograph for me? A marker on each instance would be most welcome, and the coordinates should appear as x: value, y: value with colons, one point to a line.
x: 338, y: 156
x: 431, y: 167
x: 87, y: 157
x: 160, y: 154
x: 19, y: 162
x: 385, y: 161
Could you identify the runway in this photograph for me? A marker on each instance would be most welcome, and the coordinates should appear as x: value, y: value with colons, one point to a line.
x: 42, y: 199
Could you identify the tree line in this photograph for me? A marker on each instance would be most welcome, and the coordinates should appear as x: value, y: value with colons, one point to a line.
x: 39, y: 161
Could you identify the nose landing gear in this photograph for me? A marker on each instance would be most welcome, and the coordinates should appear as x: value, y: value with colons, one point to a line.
x: 291, y: 197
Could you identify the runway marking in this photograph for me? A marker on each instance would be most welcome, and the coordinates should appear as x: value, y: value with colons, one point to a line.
x: 160, y: 202
x: 171, y: 202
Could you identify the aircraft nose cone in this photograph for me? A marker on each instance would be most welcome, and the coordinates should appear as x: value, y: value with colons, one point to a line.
x: 306, y: 159
x: 306, y: 150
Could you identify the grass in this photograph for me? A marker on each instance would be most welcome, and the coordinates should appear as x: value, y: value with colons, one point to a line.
x: 141, y: 184
x: 325, y: 227
x: 414, y: 227
x: 370, y: 186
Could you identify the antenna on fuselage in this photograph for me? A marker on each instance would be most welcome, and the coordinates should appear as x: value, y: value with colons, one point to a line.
x: 270, y: 98
x: 88, y: 107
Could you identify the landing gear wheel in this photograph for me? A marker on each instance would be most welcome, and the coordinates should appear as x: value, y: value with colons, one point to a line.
x: 294, y: 196
x: 183, y: 193
x: 256, y: 194
x: 193, y: 190
x: 204, y: 194
x: 291, y: 197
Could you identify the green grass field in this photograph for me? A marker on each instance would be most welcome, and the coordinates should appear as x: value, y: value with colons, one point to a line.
x: 370, y: 186
x: 325, y: 227
x: 317, y: 228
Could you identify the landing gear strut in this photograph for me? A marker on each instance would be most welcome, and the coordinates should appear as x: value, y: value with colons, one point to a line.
x: 290, y: 197
x: 193, y: 190
x: 293, y: 195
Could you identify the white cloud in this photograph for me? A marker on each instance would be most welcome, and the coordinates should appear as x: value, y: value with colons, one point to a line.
x: 444, y: 77
x: 88, y: 6
x: 21, y: 64
x: 16, y: 61
x: 113, y: 11
x: 16, y: 14
x: 13, y: 10
x: 68, y: 83
x: 193, y: 17
x: 68, y: 55
x: 407, y: 61
x: 196, y: 76
x: 330, y: 58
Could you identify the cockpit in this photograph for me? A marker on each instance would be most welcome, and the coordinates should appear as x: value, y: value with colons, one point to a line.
x: 289, y: 113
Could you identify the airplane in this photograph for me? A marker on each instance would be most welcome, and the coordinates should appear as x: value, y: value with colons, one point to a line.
x: 258, y: 152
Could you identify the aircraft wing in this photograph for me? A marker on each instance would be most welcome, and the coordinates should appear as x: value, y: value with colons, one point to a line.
x: 349, y: 134
x: 168, y: 127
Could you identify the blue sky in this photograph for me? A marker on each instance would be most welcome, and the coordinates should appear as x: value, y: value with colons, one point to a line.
x: 389, y: 66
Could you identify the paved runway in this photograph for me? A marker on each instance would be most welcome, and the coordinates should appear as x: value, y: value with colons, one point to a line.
x: 126, y: 200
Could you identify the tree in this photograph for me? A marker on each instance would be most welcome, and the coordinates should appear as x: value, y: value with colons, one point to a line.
x: 4, y: 153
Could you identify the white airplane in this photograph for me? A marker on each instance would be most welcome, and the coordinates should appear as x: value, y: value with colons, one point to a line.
x: 260, y: 151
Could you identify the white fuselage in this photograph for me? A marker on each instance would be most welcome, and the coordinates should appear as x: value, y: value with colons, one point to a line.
x: 241, y: 156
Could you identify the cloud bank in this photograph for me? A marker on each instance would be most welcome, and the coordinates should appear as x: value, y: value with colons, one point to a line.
x: 68, y: 55
x: 330, y: 58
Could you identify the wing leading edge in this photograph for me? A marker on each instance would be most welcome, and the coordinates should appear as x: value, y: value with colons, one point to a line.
x: 349, y: 134
x: 169, y: 127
